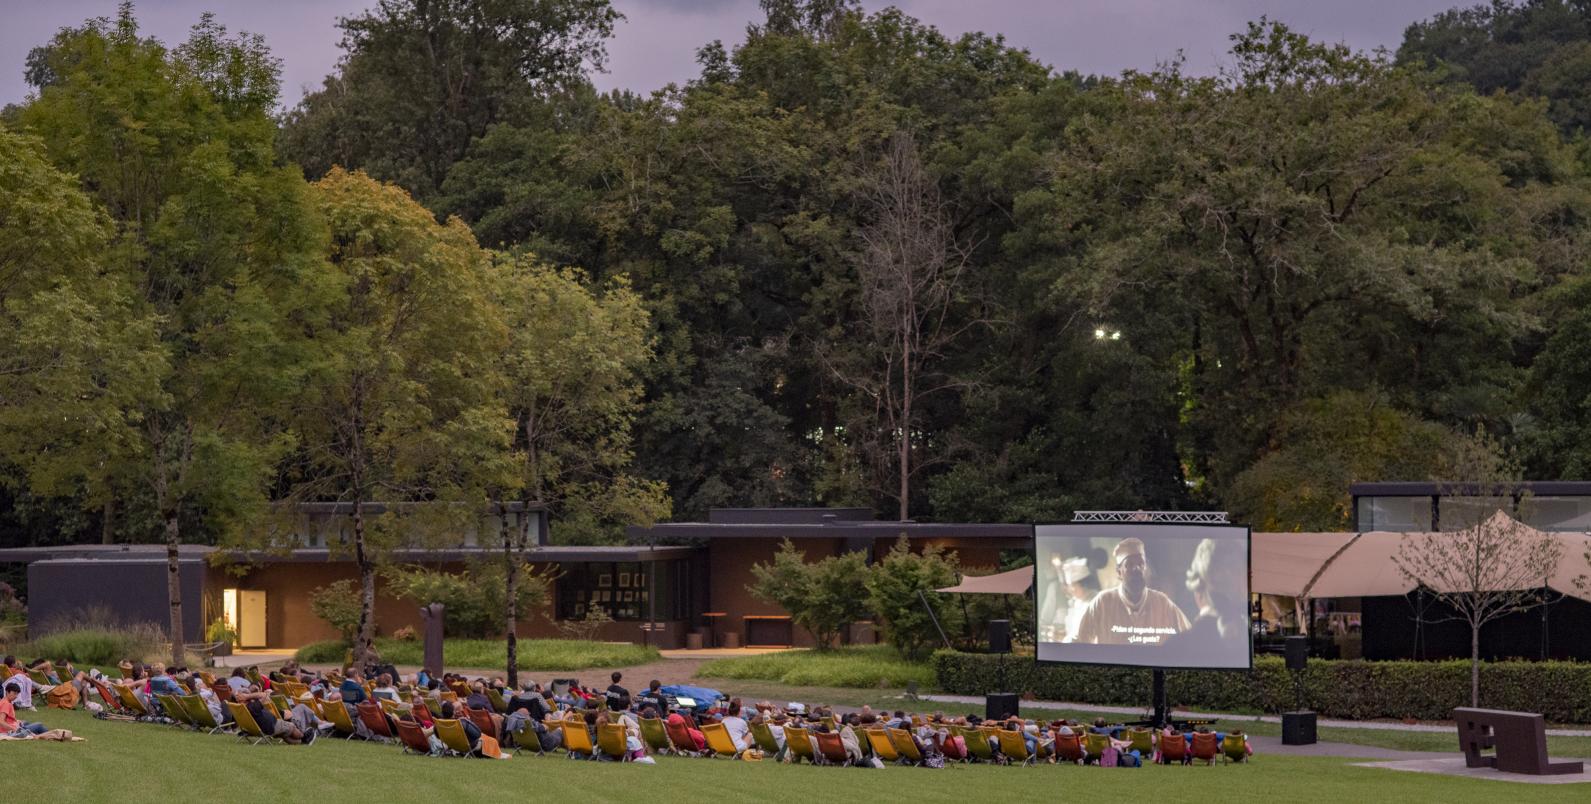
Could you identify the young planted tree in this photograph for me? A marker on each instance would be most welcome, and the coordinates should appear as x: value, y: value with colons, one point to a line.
x: 1489, y: 570
x: 900, y: 590
x: 218, y: 244
x: 910, y: 277
x: 399, y: 401
x: 824, y: 597
x: 570, y: 380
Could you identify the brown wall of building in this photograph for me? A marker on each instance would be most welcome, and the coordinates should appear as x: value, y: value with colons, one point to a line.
x: 289, y: 622
x: 729, y: 562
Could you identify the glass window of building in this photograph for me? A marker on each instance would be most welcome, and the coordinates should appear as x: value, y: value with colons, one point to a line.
x: 1458, y: 513
x: 1396, y: 514
x: 1556, y: 513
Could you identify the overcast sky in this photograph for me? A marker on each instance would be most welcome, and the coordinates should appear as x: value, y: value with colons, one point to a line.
x: 657, y: 42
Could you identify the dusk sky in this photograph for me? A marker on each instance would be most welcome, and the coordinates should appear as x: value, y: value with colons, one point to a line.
x: 657, y: 42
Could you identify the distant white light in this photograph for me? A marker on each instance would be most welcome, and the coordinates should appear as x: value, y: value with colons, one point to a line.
x: 1115, y: 336
x: 1099, y: 334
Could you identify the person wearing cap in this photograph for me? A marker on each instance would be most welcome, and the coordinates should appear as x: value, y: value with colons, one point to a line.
x: 1130, y: 612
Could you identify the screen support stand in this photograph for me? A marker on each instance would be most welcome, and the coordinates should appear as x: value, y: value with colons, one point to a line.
x: 1162, y: 714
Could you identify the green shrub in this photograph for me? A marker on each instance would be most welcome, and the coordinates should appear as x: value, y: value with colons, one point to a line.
x: 99, y: 646
x: 1357, y: 690
x: 901, y: 584
x: 867, y: 666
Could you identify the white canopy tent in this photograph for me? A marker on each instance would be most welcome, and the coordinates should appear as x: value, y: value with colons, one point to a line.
x: 1313, y: 565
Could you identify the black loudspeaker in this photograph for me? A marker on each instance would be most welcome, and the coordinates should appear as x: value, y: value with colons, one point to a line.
x: 1298, y: 728
x: 1297, y: 652
x: 999, y: 636
x: 1000, y: 705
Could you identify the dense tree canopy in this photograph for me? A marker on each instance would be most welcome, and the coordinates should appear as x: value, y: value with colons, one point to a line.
x: 1242, y: 290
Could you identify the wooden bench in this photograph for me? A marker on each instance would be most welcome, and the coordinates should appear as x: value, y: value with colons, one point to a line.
x: 1519, y: 738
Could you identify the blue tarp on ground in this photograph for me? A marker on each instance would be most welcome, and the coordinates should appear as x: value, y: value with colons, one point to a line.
x: 704, y: 696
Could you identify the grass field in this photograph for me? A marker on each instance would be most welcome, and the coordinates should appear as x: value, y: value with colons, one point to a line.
x: 864, y: 666
x: 138, y: 762
x: 534, y: 654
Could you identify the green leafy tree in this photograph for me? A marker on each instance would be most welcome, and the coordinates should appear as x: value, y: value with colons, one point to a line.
x: 1541, y: 47
x: 570, y: 379
x: 217, y: 241
x: 1286, y: 257
x: 823, y: 596
x: 338, y: 604
x: 474, y: 597
x: 1327, y: 444
x: 399, y: 405
x: 900, y: 590
x: 419, y: 81
x: 80, y: 362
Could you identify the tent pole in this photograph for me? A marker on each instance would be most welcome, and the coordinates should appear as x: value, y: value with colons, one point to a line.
x: 934, y: 617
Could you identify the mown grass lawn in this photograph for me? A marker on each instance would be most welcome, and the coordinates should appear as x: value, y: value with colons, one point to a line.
x: 139, y: 762
x: 862, y: 666
x: 534, y: 654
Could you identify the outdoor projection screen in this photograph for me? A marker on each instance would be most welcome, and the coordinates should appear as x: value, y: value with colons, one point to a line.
x: 1150, y: 595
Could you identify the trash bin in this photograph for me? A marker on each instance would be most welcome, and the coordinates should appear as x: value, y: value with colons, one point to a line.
x: 731, y: 639
x: 693, y: 641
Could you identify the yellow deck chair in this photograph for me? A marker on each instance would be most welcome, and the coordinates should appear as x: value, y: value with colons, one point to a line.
x: 577, y: 739
x: 451, y: 733
x: 337, y: 715
x: 129, y: 700
x: 174, y: 709
x: 199, y: 714
x: 394, y: 708
x: 798, y: 744
x: 248, y: 729
x: 905, y: 745
x: 977, y: 743
x: 879, y: 739
x: 1015, y: 747
x: 1095, y: 745
x: 762, y: 735
x: 1142, y: 740
x: 434, y: 705
x: 498, y: 702
x: 718, y: 740
x: 611, y: 741
x: 655, y: 735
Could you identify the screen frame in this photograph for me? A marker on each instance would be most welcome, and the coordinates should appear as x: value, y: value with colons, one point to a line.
x: 1248, y: 593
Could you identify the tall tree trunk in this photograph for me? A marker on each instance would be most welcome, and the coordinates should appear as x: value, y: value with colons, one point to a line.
x: 107, y: 521
x: 511, y: 591
x: 174, y: 585
x: 1475, y: 666
x: 367, y: 588
x: 905, y: 425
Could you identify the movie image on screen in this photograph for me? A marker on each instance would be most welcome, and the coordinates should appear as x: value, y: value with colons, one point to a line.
x: 1150, y: 595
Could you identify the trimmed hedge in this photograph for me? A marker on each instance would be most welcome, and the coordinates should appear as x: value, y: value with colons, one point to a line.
x: 1355, y: 690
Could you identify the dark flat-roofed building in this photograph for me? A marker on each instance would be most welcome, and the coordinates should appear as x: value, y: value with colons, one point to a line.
x: 733, y: 539
x: 1554, y: 505
x: 670, y: 581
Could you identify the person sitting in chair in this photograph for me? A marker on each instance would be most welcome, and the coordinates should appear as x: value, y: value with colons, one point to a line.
x: 471, y: 731
x: 282, y: 728
x: 9, y: 724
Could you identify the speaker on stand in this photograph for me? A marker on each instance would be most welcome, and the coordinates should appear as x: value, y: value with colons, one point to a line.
x: 1298, y: 726
x: 997, y: 705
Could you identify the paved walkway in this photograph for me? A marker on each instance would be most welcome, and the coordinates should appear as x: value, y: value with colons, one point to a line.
x: 1322, y: 722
